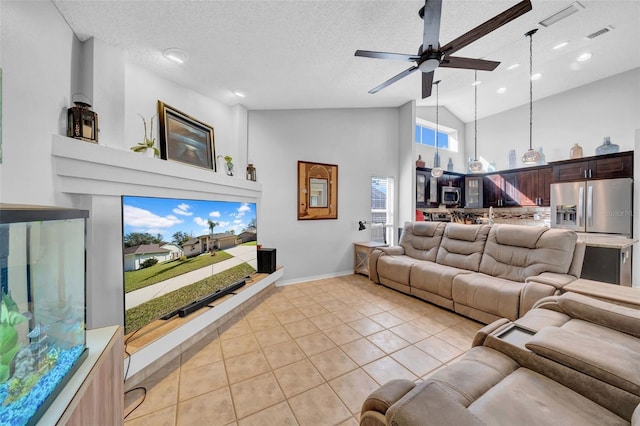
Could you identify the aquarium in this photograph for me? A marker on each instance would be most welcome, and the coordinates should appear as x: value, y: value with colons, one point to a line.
x: 42, y: 307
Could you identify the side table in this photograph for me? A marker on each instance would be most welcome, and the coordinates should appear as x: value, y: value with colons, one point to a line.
x: 362, y: 253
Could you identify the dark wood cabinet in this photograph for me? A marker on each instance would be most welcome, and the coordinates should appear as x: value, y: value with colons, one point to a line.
x: 527, y: 188
x: 427, y: 195
x: 545, y: 178
x: 611, y: 166
x: 492, y: 190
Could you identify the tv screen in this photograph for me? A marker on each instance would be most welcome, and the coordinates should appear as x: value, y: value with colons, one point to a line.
x: 178, y: 251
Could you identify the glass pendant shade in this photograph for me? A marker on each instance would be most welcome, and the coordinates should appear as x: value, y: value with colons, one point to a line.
x: 475, y: 166
x: 436, y: 172
x: 531, y: 157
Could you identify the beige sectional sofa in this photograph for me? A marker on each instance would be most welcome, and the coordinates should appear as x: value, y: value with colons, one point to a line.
x: 572, y: 360
x: 485, y: 272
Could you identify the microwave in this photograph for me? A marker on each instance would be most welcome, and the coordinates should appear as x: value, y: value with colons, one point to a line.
x: 451, y: 195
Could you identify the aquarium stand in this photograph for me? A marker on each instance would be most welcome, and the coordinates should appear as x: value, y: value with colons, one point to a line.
x: 194, y: 306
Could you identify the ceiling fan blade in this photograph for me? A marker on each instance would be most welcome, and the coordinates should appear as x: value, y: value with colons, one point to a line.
x: 427, y: 84
x: 483, y: 29
x: 468, y: 63
x: 431, y: 33
x: 392, y: 80
x: 387, y: 55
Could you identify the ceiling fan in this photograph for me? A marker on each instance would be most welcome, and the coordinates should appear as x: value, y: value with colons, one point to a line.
x: 431, y: 55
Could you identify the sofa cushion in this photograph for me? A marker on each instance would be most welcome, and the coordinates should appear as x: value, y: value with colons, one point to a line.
x: 421, y: 240
x: 610, y: 363
x: 621, y: 318
x: 489, y: 294
x: 434, y: 278
x: 462, y: 246
x: 516, y: 252
x: 527, y: 398
x: 396, y: 268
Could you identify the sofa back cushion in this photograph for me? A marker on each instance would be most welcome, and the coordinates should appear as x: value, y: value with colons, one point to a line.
x: 462, y: 246
x: 515, y: 252
x: 421, y: 240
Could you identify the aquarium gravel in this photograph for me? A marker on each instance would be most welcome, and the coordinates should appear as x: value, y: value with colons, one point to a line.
x: 21, y: 411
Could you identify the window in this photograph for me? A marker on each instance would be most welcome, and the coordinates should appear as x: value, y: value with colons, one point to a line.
x: 381, y: 223
x: 425, y: 135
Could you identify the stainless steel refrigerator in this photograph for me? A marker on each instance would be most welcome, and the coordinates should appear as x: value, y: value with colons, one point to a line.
x: 598, y: 206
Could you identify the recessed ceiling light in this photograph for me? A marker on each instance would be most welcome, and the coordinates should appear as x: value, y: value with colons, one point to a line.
x: 241, y: 93
x: 512, y: 67
x: 502, y: 90
x: 560, y: 45
x: 536, y: 76
x: 176, y: 55
x: 584, y: 57
x: 475, y: 83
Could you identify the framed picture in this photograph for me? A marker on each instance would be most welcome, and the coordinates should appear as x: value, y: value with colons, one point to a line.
x: 317, y: 191
x: 185, y: 139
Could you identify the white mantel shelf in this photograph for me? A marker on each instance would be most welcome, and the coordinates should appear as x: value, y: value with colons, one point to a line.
x: 91, y: 169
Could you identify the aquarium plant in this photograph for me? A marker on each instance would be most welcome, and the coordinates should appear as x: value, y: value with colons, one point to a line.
x: 9, y: 345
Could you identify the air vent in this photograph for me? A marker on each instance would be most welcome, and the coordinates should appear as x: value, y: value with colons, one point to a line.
x: 599, y: 33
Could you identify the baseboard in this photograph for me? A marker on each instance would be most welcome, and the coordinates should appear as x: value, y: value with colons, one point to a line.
x: 313, y: 278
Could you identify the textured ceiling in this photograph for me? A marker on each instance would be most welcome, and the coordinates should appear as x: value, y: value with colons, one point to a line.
x: 300, y: 53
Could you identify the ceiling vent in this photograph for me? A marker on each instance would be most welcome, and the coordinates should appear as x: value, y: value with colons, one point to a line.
x: 599, y: 33
x: 564, y: 13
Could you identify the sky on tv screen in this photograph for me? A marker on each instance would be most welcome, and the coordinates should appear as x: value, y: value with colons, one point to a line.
x: 166, y: 216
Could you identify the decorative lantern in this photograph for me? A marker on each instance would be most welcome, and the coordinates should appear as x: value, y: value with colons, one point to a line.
x: 82, y: 122
x: 251, y: 172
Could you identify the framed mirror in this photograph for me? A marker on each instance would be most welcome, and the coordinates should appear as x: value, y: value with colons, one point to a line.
x: 317, y: 191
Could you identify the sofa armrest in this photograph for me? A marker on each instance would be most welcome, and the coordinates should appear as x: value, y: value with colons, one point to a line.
x: 430, y: 404
x: 551, y: 278
x: 392, y: 251
x: 635, y: 418
x: 481, y: 335
x: 386, y: 395
x: 531, y: 293
x: 611, y: 363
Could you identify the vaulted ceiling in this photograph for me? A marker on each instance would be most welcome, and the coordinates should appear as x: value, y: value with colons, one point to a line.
x: 293, y: 54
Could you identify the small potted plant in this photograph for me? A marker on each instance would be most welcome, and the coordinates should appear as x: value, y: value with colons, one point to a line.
x: 148, y: 146
x: 228, y: 164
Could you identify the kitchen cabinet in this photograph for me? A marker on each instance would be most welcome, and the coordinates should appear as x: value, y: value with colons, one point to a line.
x: 526, y: 187
x: 429, y: 189
x: 534, y: 187
x: 500, y: 190
x: 611, y: 166
x: 426, y: 192
x: 473, y: 195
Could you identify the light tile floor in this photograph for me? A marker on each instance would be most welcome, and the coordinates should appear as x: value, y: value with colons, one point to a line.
x: 308, y: 355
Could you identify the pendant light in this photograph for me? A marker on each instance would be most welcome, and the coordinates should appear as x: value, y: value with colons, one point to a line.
x: 436, y: 172
x: 476, y: 165
x: 531, y: 156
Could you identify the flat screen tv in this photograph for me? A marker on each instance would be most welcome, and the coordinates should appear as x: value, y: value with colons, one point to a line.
x: 177, y: 253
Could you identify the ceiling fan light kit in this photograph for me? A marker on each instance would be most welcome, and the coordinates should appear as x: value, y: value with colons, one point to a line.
x: 531, y: 156
x: 432, y: 55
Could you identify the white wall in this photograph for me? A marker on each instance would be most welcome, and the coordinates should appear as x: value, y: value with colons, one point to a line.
x: 143, y: 89
x: 448, y: 119
x: 608, y: 107
x: 362, y: 142
x: 37, y: 52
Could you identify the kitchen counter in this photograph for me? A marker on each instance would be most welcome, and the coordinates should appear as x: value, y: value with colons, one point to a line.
x: 607, y: 241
